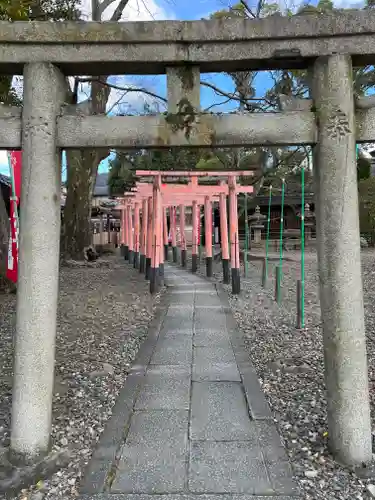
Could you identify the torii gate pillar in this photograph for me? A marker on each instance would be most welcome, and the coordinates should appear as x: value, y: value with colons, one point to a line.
x: 234, y: 240
x: 341, y: 295
x: 149, y: 238
x: 143, y: 248
x: 208, y: 235
x: 156, y: 238
x: 122, y: 232
x: 136, y: 236
x: 172, y: 212
x: 194, y: 251
x: 131, y: 234
x: 165, y: 234
x: 39, y: 256
x: 183, y: 236
x: 126, y: 234
x: 224, y: 238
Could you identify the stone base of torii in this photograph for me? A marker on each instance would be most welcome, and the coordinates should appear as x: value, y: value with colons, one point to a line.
x: 146, y: 244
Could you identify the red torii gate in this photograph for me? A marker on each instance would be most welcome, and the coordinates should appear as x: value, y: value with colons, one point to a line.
x: 191, y: 194
x: 149, y: 232
x: 194, y: 187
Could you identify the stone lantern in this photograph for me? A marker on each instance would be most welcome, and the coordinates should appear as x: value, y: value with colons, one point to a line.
x: 257, y: 224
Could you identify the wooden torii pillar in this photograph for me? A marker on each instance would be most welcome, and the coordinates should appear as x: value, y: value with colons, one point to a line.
x: 165, y: 234
x: 173, y: 216
x: 208, y: 234
x: 136, y: 235
x: 182, y: 234
x: 122, y: 219
x: 143, y: 245
x: 126, y: 233
x: 131, y: 234
x: 156, y: 236
x: 224, y: 238
x: 195, y: 242
x: 234, y: 239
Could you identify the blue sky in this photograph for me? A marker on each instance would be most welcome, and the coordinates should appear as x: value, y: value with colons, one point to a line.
x: 168, y: 9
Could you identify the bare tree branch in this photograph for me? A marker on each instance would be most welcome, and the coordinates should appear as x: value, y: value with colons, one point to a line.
x: 245, y: 4
x: 124, y: 89
x: 217, y: 104
x: 228, y: 95
x: 103, y: 6
x: 119, y: 10
x: 233, y: 95
x: 259, y: 7
x: 148, y: 10
x: 116, y: 103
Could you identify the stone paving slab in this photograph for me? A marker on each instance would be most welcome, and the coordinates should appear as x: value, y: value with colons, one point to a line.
x: 181, y: 311
x: 153, y: 459
x: 214, y: 364
x: 186, y: 332
x: 206, y: 318
x: 228, y: 467
x: 219, y: 413
x: 166, y: 387
x: 182, y: 297
x: 210, y: 338
x: 175, y: 323
x: 275, y: 459
x: 194, y: 420
x: 174, y: 350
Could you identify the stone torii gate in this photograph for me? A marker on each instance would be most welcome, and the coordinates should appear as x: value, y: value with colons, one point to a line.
x: 327, y: 45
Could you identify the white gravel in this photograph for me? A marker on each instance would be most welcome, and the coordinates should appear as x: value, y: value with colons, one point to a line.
x: 295, y: 391
x: 103, y: 317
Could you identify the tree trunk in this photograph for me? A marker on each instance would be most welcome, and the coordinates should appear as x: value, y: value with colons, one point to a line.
x: 82, y: 167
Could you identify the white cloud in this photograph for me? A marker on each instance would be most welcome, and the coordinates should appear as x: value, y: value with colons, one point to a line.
x: 348, y: 4
x: 135, y: 10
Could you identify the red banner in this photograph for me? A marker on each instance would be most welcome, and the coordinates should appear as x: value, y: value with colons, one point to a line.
x: 15, y: 163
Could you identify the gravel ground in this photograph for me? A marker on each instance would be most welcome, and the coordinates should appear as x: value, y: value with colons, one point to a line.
x: 289, y: 364
x: 103, y: 317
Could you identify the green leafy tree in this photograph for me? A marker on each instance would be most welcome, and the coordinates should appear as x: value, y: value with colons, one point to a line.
x: 366, y: 190
x: 121, y: 176
x: 363, y: 168
x: 169, y: 159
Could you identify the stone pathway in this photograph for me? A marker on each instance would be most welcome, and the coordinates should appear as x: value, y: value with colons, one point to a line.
x: 191, y: 419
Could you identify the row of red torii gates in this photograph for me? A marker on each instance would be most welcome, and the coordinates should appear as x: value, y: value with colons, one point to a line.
x: 144, y: 232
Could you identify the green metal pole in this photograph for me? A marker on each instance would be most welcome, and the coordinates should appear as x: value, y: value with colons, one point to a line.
x: 280, y: 275
x: 265, y: 277
x: 303, y: 247
x: 246, y: 267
